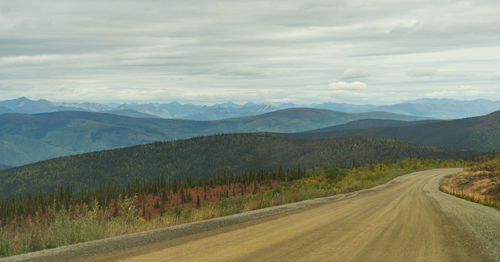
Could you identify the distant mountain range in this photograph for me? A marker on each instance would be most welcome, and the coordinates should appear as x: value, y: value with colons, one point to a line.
x: 444, y: 108
x: 201, y: 157
x: 3, y: 167
x: 432, y: 108
x: 27, y: 138
x: 475, y: 133
x: 172, y: 110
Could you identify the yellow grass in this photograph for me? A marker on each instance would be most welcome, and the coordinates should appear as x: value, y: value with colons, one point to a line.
x: 478, y: 186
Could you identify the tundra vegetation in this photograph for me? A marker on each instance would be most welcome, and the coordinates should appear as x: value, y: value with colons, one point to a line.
x: 479, y: 183
x: 39, y: 221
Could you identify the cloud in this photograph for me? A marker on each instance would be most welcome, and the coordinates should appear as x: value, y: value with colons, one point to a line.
x: 201, y: 51
x: 240, y: 71
x: 438, y: 94
x: 496, y: 76
x: 354, y: 74
x: 422, y: 73
x: 356, y: 85
x: 441, y: 73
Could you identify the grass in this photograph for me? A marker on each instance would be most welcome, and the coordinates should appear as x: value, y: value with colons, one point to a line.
x: 475, y: 184
x: 51, y: 228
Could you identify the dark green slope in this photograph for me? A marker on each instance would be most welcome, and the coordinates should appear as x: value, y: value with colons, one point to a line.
x: 202, y: 156
x: 302, y: 119
x: 475, y: 133
x: 30, y: 138
x: 371, y: 123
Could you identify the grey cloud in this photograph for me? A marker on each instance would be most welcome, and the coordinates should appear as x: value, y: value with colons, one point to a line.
x: 496, y: 76
x: 354, y: 74
x: 237, y: 50
x: 422, y: 73
x: 349, y: 86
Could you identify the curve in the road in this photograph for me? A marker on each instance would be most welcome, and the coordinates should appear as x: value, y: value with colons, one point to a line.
x: 410, y: 220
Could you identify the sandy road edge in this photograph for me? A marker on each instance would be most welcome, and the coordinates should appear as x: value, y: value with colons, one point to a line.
x: 134, y: 240
x: 483, y: 222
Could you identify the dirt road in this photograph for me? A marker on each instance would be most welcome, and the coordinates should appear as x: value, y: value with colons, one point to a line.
x: 409, y: 220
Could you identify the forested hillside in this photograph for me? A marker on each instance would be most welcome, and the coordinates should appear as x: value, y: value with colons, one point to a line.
x: 31, y: 138
x: 302, y: 119
x: 371, y: 123
x: 202, y: 156
x: 475, y: 133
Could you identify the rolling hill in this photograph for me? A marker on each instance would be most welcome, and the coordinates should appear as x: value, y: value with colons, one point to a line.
x: 31, y: 138
x: 370, y: 123
x: 301, y: 119
x: 202, y: 156
x: 475, y: 133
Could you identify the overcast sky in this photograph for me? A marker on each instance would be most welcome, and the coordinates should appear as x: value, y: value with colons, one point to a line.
x: 260, y: 51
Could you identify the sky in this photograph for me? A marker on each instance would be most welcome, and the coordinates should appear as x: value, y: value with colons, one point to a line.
x: 207, y: 52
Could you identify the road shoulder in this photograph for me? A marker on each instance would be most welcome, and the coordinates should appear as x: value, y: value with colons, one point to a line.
x: 482, y: 222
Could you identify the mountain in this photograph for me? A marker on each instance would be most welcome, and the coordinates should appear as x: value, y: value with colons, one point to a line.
x: 371, y: 123
x: 129, y: 113
x: 426, y: 107
x: 343, y: 107
x: 5, y: 110
x: 30, y: 138
x: 176, y: 110
x: 3, y: 167
x: 231, y: 111
x: 302, y: 119
x: 436, y: 100
x: 195, y: 112
x: 170, y: 110
x: 25, y: 106
x: 443, y: 108
x: 90, y: 107
x: 431, y: 108
x: 201, y: 157
x: 475, y: 133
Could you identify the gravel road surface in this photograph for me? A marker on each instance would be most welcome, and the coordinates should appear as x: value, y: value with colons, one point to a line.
x: 408, y: 220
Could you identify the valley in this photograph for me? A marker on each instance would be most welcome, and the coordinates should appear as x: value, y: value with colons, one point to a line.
x: 136, y: 188
x: 28, y: 138
x: 249, y: 131
x: 144, y: 177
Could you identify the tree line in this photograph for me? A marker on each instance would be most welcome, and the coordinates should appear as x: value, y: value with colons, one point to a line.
x: 105, y: 195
